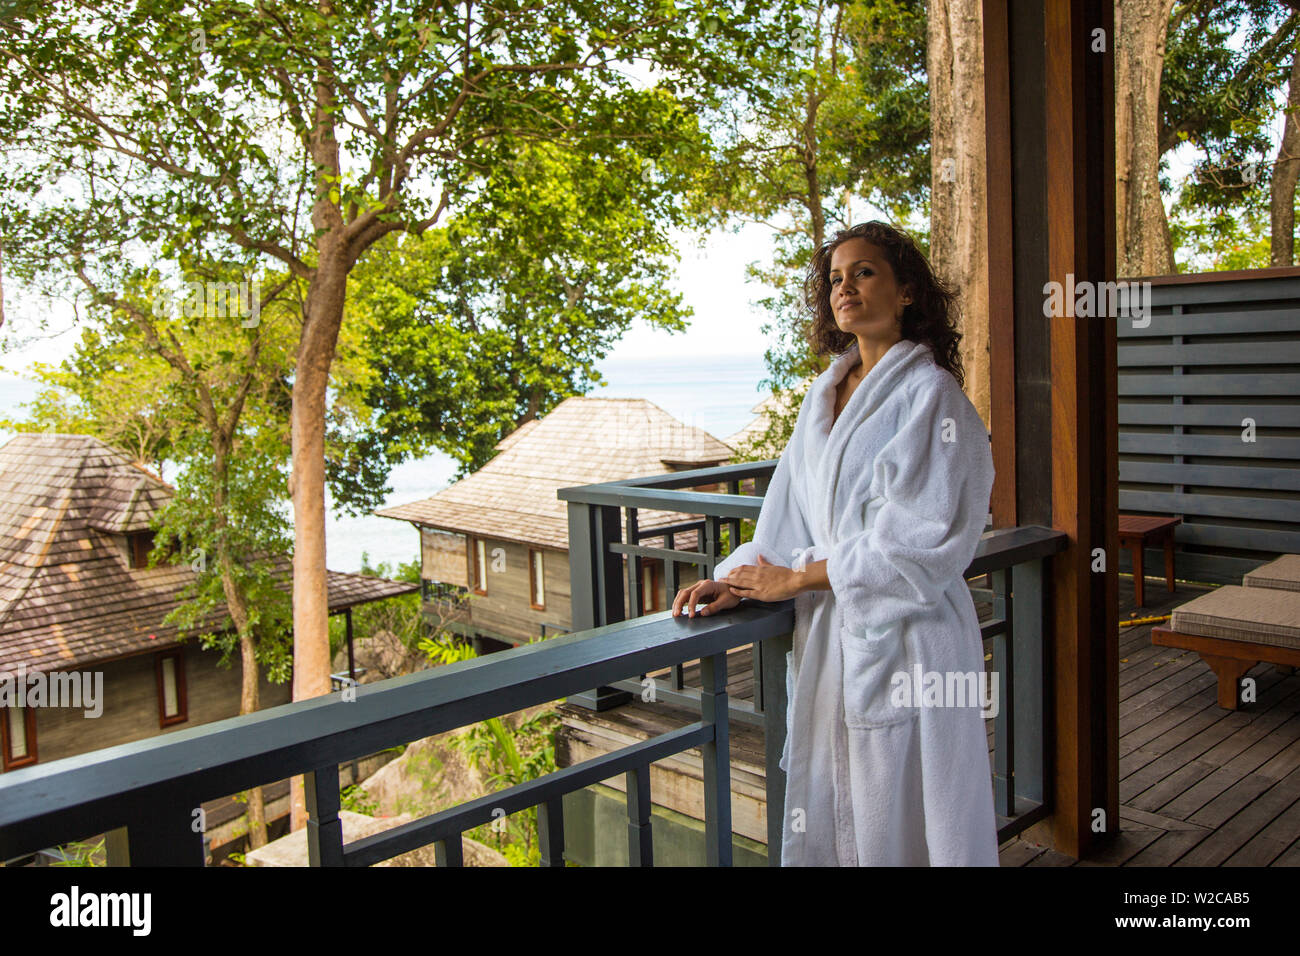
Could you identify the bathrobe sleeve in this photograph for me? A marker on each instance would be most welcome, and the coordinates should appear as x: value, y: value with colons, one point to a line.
x: 781, y: 526
x: 929, y: 487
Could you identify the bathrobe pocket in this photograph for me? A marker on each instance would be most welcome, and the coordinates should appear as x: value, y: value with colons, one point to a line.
x: 875, y: 661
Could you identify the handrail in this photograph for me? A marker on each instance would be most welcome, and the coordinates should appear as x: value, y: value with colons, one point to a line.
x: 152, y: 787
x: 106, y: 789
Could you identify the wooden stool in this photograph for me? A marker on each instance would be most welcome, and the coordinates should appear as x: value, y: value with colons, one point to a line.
x: 1136, y: 532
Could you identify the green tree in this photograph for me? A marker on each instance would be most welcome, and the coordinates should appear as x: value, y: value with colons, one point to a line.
x: 851, y: 122
x: 1224, y: 65
x: 303, y: 133
x: 167, y: 380
x: 477, y: 327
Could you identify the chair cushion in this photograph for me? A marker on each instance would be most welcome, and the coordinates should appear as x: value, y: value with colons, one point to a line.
x: 1284, y: 573
x: 1232, y: 613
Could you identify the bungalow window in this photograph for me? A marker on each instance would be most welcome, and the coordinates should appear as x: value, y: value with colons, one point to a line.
x: 536, y: 581
x: 478, y: 565
x: 652, y: 570
x: 18, y: 737
x: 139, y: 544
x: 172, y: 705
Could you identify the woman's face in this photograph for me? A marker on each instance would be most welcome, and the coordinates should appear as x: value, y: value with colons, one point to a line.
x: 865, y: 299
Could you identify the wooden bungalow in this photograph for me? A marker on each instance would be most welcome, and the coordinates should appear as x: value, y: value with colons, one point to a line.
x: 494, y: 545
x: 77, y: 597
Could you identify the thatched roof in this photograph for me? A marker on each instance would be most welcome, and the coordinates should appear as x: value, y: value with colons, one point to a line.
x: 582, y: 441
x: 68, y: 596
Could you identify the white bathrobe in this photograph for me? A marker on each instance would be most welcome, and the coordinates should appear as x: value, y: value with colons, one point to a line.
x: 894, y: 497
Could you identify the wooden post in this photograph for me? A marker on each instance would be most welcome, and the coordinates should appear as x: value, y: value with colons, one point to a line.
x: 716, y: 756
x: 324, y: 828
x: 1049, y: 85
x: 1080, y: 118
x: 596, y: 579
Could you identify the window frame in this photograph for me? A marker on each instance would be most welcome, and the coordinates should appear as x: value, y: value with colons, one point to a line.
x: 29, y: 728
x: 653, y: 568
x: 477, y: 568
x: 532, y: 582
x: 182, y: 699
x: 138, y: 546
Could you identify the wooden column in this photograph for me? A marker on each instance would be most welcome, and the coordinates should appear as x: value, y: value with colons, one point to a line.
x: 1050, y: 86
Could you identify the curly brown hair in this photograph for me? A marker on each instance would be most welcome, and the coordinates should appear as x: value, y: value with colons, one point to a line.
x: 930, y: 318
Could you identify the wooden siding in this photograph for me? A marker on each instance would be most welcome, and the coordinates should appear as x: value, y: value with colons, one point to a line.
x: 130, y: 701
x: 505, y: 611
x: 1215, y: 353
x: 443, y: 557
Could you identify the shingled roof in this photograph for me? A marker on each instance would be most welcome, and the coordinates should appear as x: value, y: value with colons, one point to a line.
x: 68, y: 596
x: 581, y: 441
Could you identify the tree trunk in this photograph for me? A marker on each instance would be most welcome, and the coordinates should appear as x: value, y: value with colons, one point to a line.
x: 958, y: 187
x: 1142, y: 239
x: 1285, y: 174
x: 248, y: 704
x: 311, y: 652
x: 238, y: 607
x: 322, y: 318
x: 817, y: 218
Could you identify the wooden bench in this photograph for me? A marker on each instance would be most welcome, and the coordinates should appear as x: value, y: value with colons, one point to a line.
x: 1137, y: 532
x: 1233, y: 629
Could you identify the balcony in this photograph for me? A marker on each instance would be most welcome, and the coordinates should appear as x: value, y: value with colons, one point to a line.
x: 143, y: 794
x: 450, y: 597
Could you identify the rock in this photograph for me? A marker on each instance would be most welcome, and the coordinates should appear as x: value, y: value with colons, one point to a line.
x: 382, y: 655
x: 433, y: 774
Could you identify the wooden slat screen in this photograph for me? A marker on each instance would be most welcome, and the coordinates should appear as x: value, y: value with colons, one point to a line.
x: 1216, y: 354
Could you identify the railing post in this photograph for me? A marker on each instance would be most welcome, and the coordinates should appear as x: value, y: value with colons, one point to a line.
x: 712, y: 544
x: 716, y: 756
x: 634, y: 569
x: 165, y: 837
x: 775, y: 705
x: 1030, y: 680
x: 640, y: 842
x: 324, y: 828
x: 1004, y: 666
x: 449, y: 852
x: 550, y: 832
x: 596, y: 580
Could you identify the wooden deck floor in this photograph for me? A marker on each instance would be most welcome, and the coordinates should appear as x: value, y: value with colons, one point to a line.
x: 1199, y: 785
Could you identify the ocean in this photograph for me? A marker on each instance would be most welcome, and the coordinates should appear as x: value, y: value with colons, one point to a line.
x: 709, y: 391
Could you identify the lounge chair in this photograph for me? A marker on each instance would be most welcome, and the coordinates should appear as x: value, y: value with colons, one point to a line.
x: 1236, y: 627
x: 1282, y: 574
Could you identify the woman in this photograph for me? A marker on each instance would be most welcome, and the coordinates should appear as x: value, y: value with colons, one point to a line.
x: 873, y: 512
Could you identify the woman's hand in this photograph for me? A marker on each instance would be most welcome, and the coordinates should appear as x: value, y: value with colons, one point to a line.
x: 765, y: 581
x: 718, y: 596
